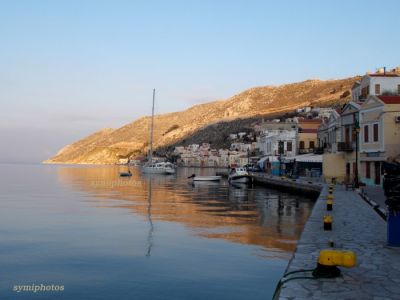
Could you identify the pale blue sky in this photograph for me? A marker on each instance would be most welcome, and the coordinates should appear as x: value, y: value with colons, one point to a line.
x: 69, y: 68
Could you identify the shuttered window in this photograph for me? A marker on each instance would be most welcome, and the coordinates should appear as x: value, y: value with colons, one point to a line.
x: 377, y: 89
x: 289, y: 146
x: 376, y: 131
x: 366, y: 134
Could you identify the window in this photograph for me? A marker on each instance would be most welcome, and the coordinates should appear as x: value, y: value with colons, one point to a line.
x: 366, y: 134
x: 312, y: 145
x: 364, y: 92
x: 376, y: 128
x: 398, y: 89
x: 289, y: 146
x: 368, y: 169
x: 377, y: 89
x: 301, y: 144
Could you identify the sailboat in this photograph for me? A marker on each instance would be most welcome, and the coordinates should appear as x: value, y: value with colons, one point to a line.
x: 156, y: 167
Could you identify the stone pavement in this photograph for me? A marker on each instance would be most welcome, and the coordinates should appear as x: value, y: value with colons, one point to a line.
x: 357, y: 227
x: 375, y: 193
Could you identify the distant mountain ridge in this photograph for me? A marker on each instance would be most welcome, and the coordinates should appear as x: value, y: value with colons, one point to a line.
x: 107, y: 146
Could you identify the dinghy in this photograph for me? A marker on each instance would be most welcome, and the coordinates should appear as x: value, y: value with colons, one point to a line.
x: 205, y: 178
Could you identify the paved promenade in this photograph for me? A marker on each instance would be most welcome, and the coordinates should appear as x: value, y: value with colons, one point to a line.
x: 357, y: 227
x: 303, y: 186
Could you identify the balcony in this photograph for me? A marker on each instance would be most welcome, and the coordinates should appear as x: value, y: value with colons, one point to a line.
x: 306, y: 150
x: 345, y: 147
x: 319, y: 150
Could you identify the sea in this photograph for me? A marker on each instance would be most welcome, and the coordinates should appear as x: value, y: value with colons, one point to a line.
x: 83, y: 232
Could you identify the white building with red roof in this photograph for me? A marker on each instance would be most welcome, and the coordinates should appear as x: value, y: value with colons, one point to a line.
x: 380, y: 83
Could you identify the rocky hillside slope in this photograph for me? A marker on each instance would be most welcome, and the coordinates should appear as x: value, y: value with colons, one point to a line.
x: 108, y: 145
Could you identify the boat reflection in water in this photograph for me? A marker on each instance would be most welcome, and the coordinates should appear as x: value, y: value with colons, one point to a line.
x: 236, y: 213
x: 146, y: 236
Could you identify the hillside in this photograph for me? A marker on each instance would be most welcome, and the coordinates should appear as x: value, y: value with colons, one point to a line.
x: 108, y: 145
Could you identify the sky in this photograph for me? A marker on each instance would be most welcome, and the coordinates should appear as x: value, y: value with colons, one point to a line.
x: 69, y: 68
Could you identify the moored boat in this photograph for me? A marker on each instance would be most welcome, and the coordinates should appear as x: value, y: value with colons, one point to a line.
x: 205, y: 178
x: 152, y: 167
x: 125, y: 174
x: 239, y: 175
x: 159, y: 168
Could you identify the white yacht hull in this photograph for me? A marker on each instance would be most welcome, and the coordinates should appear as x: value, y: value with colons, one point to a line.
x: 207, y: 178
x: 239, y: 179
x: 153, y: 170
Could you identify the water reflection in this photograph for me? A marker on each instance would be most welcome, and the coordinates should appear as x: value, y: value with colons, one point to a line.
x: 149, y: 218
x: 238, y: 213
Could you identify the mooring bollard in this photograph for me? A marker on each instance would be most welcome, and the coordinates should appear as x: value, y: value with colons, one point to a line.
x: 329, y: 204
x: 329, y: 260
x: 327, y: 222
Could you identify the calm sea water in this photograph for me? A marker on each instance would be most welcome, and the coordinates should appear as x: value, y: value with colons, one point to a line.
x: 146, y: 237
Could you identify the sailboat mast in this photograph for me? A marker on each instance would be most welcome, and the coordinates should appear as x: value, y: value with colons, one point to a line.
x: 152, y: 128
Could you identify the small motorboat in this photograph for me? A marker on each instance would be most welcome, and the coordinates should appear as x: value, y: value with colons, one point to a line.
x: 166, y: 168
x: 239, y: 175
x: 204, y: 178
x: 125, y: 174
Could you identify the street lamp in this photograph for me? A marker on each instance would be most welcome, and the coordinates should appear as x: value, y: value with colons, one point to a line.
x: 357, y: 131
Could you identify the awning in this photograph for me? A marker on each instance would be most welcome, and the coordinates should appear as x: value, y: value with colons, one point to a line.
x: 310, y: 157
x: 271, y: 159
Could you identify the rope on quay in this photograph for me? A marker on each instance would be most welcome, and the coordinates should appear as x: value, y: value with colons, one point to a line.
x: 282, y: 281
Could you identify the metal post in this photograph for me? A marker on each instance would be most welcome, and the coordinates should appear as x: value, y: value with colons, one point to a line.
x: 152, y: 128
x: 357, y: 130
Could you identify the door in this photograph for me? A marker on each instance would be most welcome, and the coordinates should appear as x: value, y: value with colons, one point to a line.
x: 347, y: 172
x: 377, y: 172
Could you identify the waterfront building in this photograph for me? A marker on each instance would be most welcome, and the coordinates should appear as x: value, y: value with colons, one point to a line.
x: 340, y: 162
x: 241, y: 147
x: 379, y: 83
x: 379, y: 135
x: 328, y: 133
x: 324, y: 112
x: 368, y: 133
x: 272, y: 134
x: 307, y: 135
x: 270, y: 164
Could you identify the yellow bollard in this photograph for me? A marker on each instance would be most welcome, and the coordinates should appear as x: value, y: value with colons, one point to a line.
x: 328, y: 222
x: 329, y: 260
x: 329, y: 205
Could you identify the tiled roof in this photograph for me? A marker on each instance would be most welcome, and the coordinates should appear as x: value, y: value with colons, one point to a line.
x: 383, y: 75
x: 390, y: 99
